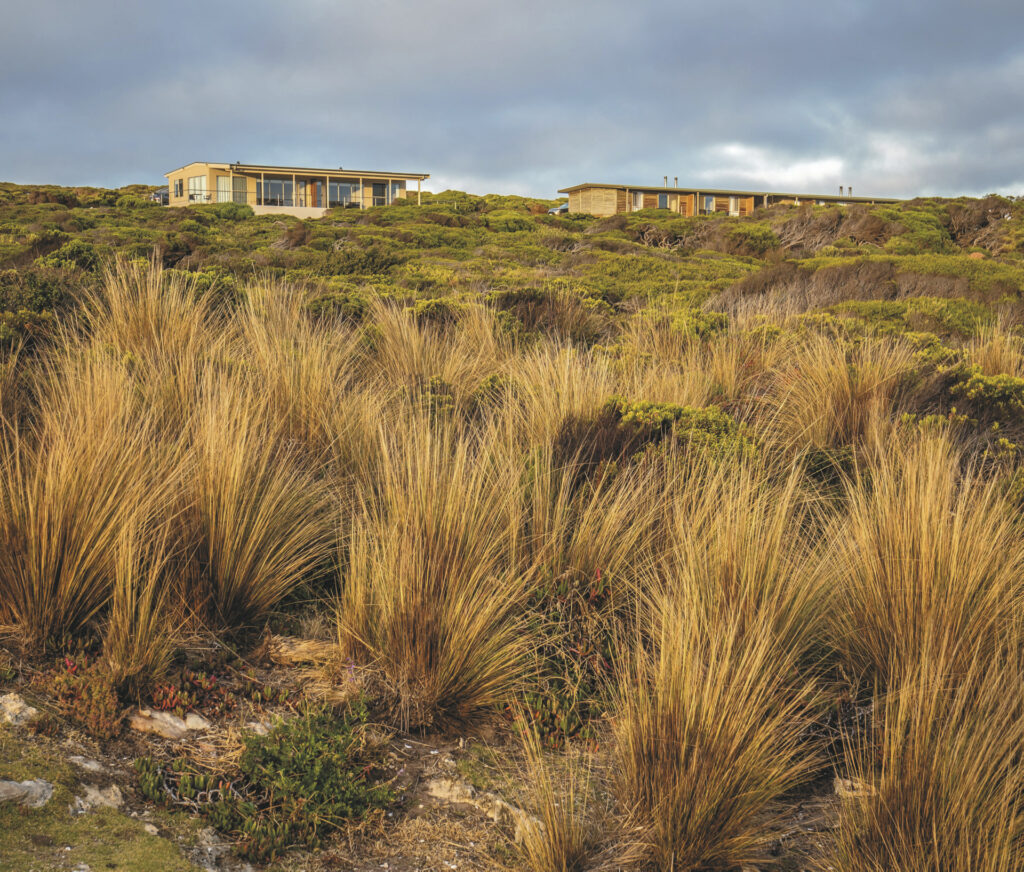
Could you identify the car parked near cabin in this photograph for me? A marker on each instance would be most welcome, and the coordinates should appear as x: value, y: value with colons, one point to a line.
x: 560, y: 209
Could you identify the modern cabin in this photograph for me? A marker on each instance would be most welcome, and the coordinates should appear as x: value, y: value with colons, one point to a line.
x: 603, y: 199
x: 300, y: 191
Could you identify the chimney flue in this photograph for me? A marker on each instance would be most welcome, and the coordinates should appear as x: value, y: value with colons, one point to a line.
x: 840, y: 190
x: 666, y: 181
x: 849, y: 191
x: 675, y: 182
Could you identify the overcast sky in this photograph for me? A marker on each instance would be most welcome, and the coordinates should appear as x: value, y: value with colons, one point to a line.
x: 892, y: 97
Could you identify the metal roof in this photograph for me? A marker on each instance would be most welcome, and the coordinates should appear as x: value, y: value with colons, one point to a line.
x: 306, y: 171
x: 724, y: 192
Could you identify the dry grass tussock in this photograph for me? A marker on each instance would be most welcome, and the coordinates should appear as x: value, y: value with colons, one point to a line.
x: 562, y: 836
x: 255, y: 522
x: 709, y: 736
x: 997, y: 350
x: 926, y: 564
x: 827, y: 395
x: 429, y: 590
x: 90, y: 467
x: 170, y: 463
x: 939, y: 783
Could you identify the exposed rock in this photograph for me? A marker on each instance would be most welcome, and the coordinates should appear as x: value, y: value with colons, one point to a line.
x: 195, y: 721
x: 459, y: 792
x: 450, y: 790
x: 151, y: 829
x: 34, y: 793
x: 161, y: 723
x: 88, y: 764
x: 850, y: 788
x: 257, y: 727
x: 96, y: 797
x: 15, y: 711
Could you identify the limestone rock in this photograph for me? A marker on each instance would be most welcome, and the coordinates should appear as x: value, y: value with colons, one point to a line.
x: 109, y: 797
x: 89, y: 765
x: 34, y: 793
x: 450, y: 790
x: 15, y: 711
x: 151, y: 829
x: 160, y: 723
x: 195, y: 721
x: 850, y: 788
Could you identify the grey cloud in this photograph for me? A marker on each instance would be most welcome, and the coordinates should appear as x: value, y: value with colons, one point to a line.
x: 897, y: 97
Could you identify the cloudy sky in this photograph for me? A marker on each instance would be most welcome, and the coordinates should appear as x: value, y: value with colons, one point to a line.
x: 897, y: 97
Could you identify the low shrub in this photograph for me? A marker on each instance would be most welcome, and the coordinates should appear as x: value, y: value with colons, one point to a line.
x: 295, y: 786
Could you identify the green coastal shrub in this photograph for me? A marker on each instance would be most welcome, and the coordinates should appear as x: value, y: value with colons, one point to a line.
x: 626, y: 431
x: 76, y: 253
x: 297, y: 785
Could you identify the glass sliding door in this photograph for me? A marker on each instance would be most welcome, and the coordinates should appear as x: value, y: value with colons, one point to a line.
x: 343, y: 194
x: 275, y: 192
x: 240, y: 189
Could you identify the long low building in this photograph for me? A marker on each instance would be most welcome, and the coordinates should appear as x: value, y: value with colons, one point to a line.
x: 301, y: 191
x: 603, y: 199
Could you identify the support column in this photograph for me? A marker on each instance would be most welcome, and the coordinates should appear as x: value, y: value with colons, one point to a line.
x: 419, y: 192
x: 262, y: 198
x: 327, y: 192
x: 362, y: 198
x: 294, y: 192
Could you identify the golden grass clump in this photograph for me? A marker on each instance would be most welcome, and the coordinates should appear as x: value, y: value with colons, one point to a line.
x: 301, y: 368
x: 428, y: 591
x: 68, y: 488
x: 140, y: 637
x: 739, y: 546
x: 709, y: 736
x: 937, y: 784
x: 256, y: 523
x: 827, y: 395
x: 997, y: 350
x: 563, y: 836
x: 927, y: 564
x: 159, y: 326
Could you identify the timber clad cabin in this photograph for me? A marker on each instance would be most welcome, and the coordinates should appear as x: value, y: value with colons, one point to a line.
x: 602, y: 200
x: 298, y: 191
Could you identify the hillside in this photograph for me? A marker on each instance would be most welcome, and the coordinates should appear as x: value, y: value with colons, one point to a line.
x: 466, y: 536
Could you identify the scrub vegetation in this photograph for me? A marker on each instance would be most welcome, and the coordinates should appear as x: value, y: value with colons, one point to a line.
x: 711, y: 518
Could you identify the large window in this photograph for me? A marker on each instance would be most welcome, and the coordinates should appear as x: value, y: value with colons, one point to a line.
x: 343, y: 194
x: 179, y: 187
x: 397, y: 191
x: 197, y: 189
x: 275, y: 192
x: 662, y: 201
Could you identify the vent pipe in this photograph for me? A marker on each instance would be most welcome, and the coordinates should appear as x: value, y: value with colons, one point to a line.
x: 666, y: 181
x: 675, y: 182
x: 840, y: 190
x: 849, y: 191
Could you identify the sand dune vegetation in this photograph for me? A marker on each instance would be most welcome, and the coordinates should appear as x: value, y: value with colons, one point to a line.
x: 727, y: 578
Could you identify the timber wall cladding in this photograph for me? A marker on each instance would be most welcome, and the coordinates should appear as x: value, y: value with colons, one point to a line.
x: 650, y: 201
x: 599, y: 201
x: 620, y: 201
x: 746, y: 206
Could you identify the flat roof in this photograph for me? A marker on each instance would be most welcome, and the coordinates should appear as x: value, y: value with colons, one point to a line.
x: 306, y: 171
x: 729, y: 193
